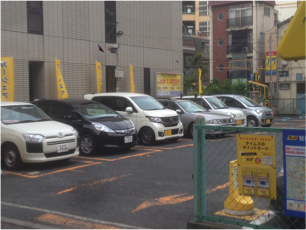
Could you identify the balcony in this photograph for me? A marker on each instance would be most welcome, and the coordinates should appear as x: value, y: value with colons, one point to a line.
x: 243, y: 48
x: 188, y: 7
x: 239, y: 22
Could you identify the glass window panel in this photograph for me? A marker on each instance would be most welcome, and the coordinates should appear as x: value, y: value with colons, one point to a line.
x: 35, y: 23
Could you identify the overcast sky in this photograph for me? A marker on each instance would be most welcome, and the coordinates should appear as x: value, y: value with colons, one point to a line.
x: 285, y: 11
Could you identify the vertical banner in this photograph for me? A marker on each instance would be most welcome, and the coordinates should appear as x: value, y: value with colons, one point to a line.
x: 273, y: 64
x: 7, y: 79
x: 99, y: 77
x: 132, y: 79
x: 200, y: 82
x: 61, y: 88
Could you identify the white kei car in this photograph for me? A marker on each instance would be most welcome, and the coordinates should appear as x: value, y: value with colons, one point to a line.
x: 28, y: 135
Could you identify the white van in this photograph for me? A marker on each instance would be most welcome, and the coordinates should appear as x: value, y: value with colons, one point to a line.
x: 152, y: 120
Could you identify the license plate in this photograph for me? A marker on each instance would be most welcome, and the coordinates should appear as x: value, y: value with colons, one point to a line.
x: 168, y: 132
x: 268, y: 121
x: 128, y: 139
x: 62, y: 148
x: 239, y: 122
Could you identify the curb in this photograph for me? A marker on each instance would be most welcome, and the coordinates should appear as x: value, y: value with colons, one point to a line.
x: 210, y: 225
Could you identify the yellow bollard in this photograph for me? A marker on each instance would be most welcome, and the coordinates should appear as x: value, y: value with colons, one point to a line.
x: 236, y: 204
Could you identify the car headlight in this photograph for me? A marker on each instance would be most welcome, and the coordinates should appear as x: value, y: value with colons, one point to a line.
x: 102, y: 128
x: 216, y: 121
x: 230, y: 114
x: 155, y: 119
x: 132, y: 123
x: 258, y: 111
x: 75, y: 133
x: 32, y: 138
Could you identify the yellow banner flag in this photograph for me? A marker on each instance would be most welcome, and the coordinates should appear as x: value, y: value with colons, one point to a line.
x: 61, y: 88
x: 132, y: 79
x: 99, y: 77
x: 7, y: 79
x: 200, y: 82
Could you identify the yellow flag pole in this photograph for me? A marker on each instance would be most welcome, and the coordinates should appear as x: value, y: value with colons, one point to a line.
x: 200, y: 82
x: 99, y: 77
x: 132, y: 79
x: 61, y: 88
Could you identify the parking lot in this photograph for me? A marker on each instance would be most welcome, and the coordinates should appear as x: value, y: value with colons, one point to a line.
x: 145, y: 187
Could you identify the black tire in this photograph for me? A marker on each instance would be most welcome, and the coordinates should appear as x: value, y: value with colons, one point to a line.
x: 88, y: 145
x: 252, y: 122
x: 147, y: 136
x: 190, y: 130
x: 11, y: 157
x: 173, y: 139
x: 266, y: 125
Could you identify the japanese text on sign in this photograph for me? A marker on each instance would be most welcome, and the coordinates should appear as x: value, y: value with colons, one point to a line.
x: 168, y: 84
x: 7, y: 79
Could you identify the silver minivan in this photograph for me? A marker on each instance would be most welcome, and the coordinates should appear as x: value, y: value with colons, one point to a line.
x: 213, y: 104
x: 256, y: 113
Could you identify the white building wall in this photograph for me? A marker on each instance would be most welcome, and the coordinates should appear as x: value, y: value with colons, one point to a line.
x: 72, y: 31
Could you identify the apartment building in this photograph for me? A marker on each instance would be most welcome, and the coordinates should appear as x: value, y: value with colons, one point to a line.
x: 36, y: 33
x: 237, y: 35
x: 196, y: 33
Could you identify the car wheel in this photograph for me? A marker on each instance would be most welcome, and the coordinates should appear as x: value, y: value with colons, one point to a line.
x: 147, y: 136
x: 190, y: 130
x: 252, y: 122
x: 11, y: 157
x: 173, y: 139
x: 266, y: 125
x: 87, y: 145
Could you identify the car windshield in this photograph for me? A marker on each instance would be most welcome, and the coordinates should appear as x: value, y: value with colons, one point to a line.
x: 191, y: 107
x: 14, y: 114
x: 216, y: 103
x: 147, y: 103
x: 249, y: 102
x: 93, y: 110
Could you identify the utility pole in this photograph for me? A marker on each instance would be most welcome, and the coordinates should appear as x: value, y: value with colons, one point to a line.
x: 270, y: 85
x: 117, y: 59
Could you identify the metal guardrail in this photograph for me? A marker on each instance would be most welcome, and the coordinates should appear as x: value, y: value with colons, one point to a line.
x: 211, y: 160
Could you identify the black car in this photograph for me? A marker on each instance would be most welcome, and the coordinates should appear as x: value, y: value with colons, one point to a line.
x: 99, y: 126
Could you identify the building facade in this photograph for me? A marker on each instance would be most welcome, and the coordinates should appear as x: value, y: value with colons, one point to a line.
x: 37, y: 33
x: 238, y: 37
x: 289, y: 77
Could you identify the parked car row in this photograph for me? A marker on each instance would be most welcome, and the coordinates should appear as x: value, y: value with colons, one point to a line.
x: 51, y: 130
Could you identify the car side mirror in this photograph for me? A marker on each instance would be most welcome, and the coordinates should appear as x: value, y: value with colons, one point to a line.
x: 179, y: 111
x: 129, y: 109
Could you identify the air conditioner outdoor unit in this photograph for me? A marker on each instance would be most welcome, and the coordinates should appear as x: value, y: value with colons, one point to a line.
x: 245, y: 49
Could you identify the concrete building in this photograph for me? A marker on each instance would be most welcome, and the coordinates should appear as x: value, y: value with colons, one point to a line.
x: 286, y: 9
x: 35, y: 33
x: 196, y: 32
x: 289, y: 77
x: 238, y: 37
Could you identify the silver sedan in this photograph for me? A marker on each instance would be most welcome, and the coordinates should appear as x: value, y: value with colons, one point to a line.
x: 189, y: 110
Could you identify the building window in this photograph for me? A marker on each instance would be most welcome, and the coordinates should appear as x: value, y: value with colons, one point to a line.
x: 110, y: 21
x: 220, y: 17
x: 262, y: 36
x: 188, y: 7
x: 267, y: 11
x: 203, y: 8
x: 189, y: 27
x: 35, y: 17
x: 299, y: 77
x: 220, y: 68
x: 220, y: 42
x: 204, y: 28
x: 284, y: 86
x: 146, y: 81
x: 230, y: 37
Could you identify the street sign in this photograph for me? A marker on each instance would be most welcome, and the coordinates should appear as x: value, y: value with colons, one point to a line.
x: 119, y: 73
x: 292, y: 45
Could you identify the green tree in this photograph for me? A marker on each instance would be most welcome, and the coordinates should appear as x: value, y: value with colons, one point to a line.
x: 197, y: 62
x: 227, y: 87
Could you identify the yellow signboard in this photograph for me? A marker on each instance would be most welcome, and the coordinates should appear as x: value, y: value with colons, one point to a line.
x: 7, y: 79
x: 168, y: 84
x: 256, y: 166
x: 99, y: 77
x: 61, y: 88
x: 292, y: 45
x: 273, y: 60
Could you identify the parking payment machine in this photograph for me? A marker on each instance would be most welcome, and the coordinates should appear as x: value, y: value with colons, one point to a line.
x: 256, y: 166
